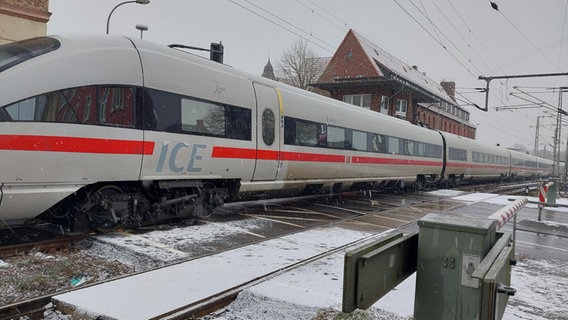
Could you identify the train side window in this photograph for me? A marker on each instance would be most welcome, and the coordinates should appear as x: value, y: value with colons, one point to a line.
x: 336, y: 137
x: 359, y: 140
x: 208, y: 118
x: 289, y: 131
x: 21, y: 111
x: 82, y: 105
x: 201, y: 117
x: 457, y: 154
x: 378, y: 143
x: 434, y: 151
x: 116, y: 106
x: 306, y: 133
x: 73, y: 105
x: 239, y: 125
x: 408, y: 147
x: 161, y: 111
x: 393, y: 145
x: 268, y: 127
x: 374, y: 142
x: 420, y: 149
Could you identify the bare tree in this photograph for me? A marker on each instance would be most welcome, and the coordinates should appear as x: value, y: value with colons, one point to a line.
x: 299, y: 65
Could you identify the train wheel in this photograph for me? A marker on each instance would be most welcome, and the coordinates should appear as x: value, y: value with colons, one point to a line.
x: 210, y: 198
x: 98, y: 209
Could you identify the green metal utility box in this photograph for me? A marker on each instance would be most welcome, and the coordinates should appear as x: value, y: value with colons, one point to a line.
x: 450, y: 248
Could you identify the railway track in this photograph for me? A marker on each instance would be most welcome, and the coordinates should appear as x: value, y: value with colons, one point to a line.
x: 48, y: 245
x: 29, y: 309
x: 217, y: 301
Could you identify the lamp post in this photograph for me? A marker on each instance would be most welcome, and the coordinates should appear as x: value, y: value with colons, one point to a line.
x: 142, y: 28
x: 125, y: 2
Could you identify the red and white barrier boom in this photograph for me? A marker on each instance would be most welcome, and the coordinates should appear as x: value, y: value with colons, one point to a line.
x: 503, y: 215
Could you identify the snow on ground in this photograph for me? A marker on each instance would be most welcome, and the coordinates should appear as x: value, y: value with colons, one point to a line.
x: 194, y: 280
x: 541, y: 286
x: 503, y: 200
x: 315, y: 289
x: 541, y: 291
x: 445, y: 193
x: 307, y: 291
x: 158, y: 248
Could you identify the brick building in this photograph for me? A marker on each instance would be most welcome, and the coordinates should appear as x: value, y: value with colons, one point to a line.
x: 365, y: 75
x: 23, y: 19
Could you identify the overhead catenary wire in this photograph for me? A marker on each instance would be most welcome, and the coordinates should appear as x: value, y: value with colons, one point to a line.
x: 307, y: 38
x: 525, y: 36
x: 439, y: 31
x: 445, y: 47
x: 452, y: 48
x: 432, y: 36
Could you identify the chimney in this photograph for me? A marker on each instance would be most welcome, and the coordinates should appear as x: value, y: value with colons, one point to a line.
x: 450, y: 88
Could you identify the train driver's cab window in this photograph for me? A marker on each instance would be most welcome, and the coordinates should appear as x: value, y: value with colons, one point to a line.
x: 202, y: 117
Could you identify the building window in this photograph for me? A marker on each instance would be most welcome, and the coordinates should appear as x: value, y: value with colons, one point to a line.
x: 361, y: 100
x: 400, y: 109
x: 384, y: 105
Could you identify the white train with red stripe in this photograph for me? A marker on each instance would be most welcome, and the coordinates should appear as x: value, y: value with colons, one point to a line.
x: 122, y: 131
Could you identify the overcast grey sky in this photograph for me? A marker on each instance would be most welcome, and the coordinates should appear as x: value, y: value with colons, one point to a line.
x: 455, y: 40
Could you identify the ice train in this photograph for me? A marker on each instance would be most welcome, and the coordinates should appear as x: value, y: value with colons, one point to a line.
x: 121, y: 131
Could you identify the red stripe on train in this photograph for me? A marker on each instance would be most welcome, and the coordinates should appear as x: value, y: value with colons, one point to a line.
x: 394, y: 161
x: 241, y: 153
x: 75, y: 144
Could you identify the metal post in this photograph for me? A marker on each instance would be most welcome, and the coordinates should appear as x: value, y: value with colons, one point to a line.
x: 514, y: 233
x: 488, y: 79
x: 535, y: 151
x: 558, y: 136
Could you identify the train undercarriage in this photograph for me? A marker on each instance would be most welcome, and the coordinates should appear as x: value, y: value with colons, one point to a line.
x: 107, y: 206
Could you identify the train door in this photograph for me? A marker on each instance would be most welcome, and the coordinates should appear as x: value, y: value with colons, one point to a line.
x: 267, y: 133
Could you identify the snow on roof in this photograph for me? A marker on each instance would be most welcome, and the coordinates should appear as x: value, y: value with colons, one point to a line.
x: 384, y: 59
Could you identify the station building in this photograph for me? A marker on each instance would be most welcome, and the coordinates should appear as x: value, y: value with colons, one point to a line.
x: 365, y: 75
x: 20, y: 20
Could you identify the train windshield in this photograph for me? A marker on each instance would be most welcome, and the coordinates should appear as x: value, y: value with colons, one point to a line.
x: 17, y: 52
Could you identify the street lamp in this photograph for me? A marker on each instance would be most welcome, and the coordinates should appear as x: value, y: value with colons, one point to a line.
x: 125, y: 2
x: 142, y: 28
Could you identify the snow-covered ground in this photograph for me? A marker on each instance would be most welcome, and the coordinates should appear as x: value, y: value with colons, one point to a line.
x: 311, y: 290
x: 315, y: 289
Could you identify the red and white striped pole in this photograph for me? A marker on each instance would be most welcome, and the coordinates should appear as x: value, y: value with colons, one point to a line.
x: 542, y: 197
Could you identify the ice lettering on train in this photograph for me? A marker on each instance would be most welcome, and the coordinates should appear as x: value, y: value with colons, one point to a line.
x: 171, y: 157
